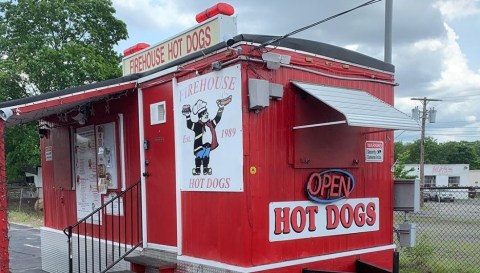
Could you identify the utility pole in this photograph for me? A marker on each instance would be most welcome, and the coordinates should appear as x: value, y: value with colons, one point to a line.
x: 430, y: 115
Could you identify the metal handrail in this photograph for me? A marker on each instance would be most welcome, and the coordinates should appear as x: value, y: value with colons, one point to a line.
x: 126, y: 217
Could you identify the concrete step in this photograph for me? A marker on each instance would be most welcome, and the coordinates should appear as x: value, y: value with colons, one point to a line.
x: 140, y: 262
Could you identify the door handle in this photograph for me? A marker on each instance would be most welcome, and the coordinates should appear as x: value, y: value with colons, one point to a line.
x: 146, y: 174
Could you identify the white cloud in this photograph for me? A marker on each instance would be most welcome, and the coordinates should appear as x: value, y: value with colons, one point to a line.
x: 158, y: 15
x: 471, y: 119
x: 453, y: 9
x: 353, y: 47
x: 456, y: 76
x: 428, y: 44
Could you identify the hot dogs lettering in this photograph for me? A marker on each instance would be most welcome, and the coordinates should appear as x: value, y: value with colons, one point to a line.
x: 304, y: 219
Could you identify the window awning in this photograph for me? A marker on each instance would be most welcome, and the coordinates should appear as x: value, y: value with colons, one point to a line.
x: 359, y: 108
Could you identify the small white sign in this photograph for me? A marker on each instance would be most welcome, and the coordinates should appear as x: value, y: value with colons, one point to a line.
x: 48, y: 153
x: 374, y: 151
x: 116, y: 207
x: 305, y: 219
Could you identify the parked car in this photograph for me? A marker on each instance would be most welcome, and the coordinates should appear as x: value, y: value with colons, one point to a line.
x: 426, y: 196
x: 446, y: 195
x: 440, y: 195
x: 472, y: 192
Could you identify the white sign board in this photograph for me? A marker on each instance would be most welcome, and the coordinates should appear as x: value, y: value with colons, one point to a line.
x: 106, y: 157
x: 88, y: 197
x: 374, y: 151
x: 305, y: 219
x: 48, y: 153
x: 208, y: 132
x: 115, y: 208
x: 195, y: 39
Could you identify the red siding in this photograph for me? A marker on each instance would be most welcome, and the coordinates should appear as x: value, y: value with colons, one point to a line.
x: 233, y: 228
x: 220, y: 226
x: 3, y: 205
x: 59, y: 200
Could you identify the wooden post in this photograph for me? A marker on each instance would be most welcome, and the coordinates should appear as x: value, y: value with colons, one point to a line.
x: 4, y: 263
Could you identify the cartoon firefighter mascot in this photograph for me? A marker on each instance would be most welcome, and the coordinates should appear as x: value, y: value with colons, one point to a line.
x: 205, y: 134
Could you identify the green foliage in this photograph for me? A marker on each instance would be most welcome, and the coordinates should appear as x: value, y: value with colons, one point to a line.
x: 21, y: 149
x: 399, y: 169
x: 49, y: 45
x: 59, y: 44
x: 441, y: 153
x: 32, y: 219
x: 423, y: 258
x: 419, y: 255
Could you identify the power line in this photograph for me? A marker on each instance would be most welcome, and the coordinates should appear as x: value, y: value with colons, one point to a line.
x: 455, y: 121
x: 277, y: 39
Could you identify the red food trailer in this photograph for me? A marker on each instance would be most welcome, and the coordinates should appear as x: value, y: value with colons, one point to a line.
x: 249, y: 154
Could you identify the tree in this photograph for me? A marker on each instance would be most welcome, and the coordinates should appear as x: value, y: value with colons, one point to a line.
x: 62, y: 43
x: 463, y: 152
x: 48, y: 45
x: 399, y: 171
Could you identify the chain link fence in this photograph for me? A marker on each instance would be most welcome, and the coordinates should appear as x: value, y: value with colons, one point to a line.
x: 22, y: 199
x: 447, y: 232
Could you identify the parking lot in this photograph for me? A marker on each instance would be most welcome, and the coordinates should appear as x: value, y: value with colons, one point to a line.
x: 24, y: 249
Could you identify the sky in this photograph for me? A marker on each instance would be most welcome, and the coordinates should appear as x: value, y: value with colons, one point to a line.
x: 436, y: 45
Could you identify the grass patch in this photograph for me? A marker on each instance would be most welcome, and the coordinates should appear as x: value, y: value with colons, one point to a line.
x: 33, y: 218
x: 424, y: 258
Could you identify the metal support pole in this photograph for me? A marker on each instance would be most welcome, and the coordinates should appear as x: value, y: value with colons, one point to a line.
x: 396, y: 262
x: 388, y: 31
x: 70, y: 254
x: 422, y: 144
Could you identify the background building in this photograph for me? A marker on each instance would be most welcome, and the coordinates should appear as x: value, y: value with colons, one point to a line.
x: 443, y: 175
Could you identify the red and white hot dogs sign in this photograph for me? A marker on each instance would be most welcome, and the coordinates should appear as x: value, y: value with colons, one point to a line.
x: 201, y: 37
x: 305, y: 219
x: 324, y: 215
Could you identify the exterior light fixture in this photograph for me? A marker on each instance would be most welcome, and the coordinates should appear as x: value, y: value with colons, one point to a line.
x: 5, y: 113
x: 274, y: 60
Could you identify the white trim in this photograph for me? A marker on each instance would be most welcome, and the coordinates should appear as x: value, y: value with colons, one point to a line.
x: 177, y: 183
x: 158, y: 74
x: 141, y: 135
x: 52, y: 230
x: 122, y: 151
x: 72, y: 158
x: 172, y: 249
x: 286, y: 263
x: 320, y: 124
x: 155, y: 113
x: 70, y: 95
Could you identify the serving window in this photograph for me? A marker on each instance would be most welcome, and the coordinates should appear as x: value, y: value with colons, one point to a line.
x: 326, y: 144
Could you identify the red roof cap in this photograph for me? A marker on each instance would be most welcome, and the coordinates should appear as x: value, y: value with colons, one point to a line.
x: 220, y: 8
x: 135, y: 48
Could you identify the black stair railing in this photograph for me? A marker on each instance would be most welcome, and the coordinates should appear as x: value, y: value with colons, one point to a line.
x: 103, y: 238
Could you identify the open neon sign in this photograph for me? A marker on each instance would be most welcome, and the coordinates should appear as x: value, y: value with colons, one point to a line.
x: 329, y: 186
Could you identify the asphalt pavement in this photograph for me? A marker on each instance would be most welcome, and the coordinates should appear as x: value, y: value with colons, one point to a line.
x: 24, y: 248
